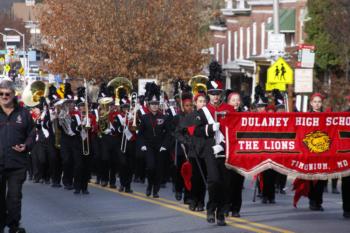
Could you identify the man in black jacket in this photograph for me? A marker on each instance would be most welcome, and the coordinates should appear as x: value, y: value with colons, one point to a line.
x: 16, y: 126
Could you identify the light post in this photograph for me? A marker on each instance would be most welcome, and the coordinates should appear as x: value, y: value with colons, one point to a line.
x: 4, y: 37
x: 24, y: 47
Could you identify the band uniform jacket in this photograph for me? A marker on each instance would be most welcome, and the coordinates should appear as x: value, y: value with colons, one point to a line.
x: 154, y: 130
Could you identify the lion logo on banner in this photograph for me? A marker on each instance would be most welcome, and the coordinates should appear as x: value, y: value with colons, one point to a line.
x: 317, y: 141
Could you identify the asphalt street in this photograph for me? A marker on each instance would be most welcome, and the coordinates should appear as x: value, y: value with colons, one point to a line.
x: 46, y: 209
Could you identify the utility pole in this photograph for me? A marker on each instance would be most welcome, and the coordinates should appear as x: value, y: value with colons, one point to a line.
x: 276, y: 17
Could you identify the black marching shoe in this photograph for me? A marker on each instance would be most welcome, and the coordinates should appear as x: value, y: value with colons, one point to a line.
x: 121, y: 188
x: 103, y: 183
x: 112, y: 186
x: 192, y: 206
x: 346, y: 214
x: 335, y: 191
x: 85, y: 192
x: 149, y: 191
x: 56, y: 185
x: 221, y: 221
x: 235, y: 214
x: 316, y: 207
x: 155, y: 195
x: 17, y: 230
x: 77, y: 191
x: 128, y: 190
x: 210, y: 217
x: 69, y: 187
x: 264, y: 200
x: 200, y: 207
x: 178, y: 196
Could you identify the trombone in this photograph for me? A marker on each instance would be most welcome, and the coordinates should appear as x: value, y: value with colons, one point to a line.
x: 86, y: 127
x: 126, y: 122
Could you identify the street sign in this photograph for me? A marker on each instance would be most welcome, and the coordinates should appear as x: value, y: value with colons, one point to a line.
x: 142, y: 84
x: 276, y: 42
x: 7, y: 68
x: 280, y: 72
x: 306, y: 56
x: 11, y: 39
x: 278, y: 86
x: 303, y: 80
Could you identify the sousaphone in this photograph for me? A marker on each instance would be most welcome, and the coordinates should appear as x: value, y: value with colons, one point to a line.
x: 33, y: 92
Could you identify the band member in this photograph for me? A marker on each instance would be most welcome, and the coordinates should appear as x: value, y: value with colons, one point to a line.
x: 140, y: 163
x: 69, y: 121
x: 235, y: 180
x: 124, y: 123
x: 55, y: 158
x: 96, y: 167
x: 316, y: 186
x: 267, y: 178
x: 281, y: 179
x: 208, y: 127
x: 180, y: 151
x: 345, y: 186
x: 110, y: 140
x: 154, y: 137
x: 86, y: 125
x: 43, y: 152
x: 16, y: 126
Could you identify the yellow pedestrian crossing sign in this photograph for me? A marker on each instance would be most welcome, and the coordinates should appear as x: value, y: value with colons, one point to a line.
x: 278, y: 86
x: 7, y: 68
x: 280, y: 72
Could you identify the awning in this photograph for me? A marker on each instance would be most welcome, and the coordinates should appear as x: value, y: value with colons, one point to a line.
x: 287, y: 21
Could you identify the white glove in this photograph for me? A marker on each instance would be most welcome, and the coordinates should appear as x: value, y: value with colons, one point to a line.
x: 143, y: 148
x: 216, y: 127
x: 217, y: 149
x: 162, y: 149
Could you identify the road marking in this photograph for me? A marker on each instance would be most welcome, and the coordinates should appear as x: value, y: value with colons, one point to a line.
x: 234, y: 222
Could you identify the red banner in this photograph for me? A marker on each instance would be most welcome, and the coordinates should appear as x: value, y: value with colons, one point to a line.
x: 305, y: 145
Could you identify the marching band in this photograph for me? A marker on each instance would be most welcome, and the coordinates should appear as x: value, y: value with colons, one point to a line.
x: 121, y: 134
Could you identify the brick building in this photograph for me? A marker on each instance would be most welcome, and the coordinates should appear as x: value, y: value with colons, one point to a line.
x: 240, y: 44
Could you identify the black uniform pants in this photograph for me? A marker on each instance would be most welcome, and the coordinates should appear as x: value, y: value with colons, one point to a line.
x: 70, y: 148
x: 177, y: 177
x: 198, y: 186
x: 345, y: 190
x: 316, y: 192
x: 56, y: 166
x: 126, y: 163
x: 216, y: 184
x: 81, y: 171
x: 269, y: 177
x: 140, y: 162
x: 110, y: 146
x: 281, y: 181
x: 45, y: 161
x: 96, y: 157
x: 234, y: 191
x: 11, y: 182
x: 154, y: 166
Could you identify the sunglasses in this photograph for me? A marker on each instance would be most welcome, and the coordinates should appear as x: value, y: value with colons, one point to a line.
x: 6, y: 94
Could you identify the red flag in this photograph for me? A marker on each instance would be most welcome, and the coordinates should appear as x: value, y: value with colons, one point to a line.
x: 302, y: 188
x: 186, y: 173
